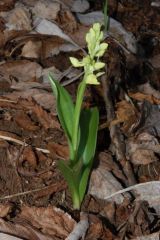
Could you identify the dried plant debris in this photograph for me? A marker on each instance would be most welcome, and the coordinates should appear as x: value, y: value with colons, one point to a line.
x: 37, y: 37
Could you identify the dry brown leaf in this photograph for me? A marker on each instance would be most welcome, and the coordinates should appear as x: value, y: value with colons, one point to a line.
x: 53, y: 188
x: 24, y: 99
x: 153, y: 236
x: 96, y: 227
x: 67, y: 21
x: 21, y: 70
x: 51, y: 220
x: 32, y: 49
x: 5, y: 209
x: 141, y: 97
x: 79, y: 35
x: 19, y: 230
x: 29, y: 156
x: 58, y: 149
x: 2, y: 39
x: 126, y: 114
x: 136, y: 151
x: 23, y: 120
x: 6, y: 5
x: 46, y: 9
x: 18, y: 19
x: 103, y: 183
x: 45, y: 118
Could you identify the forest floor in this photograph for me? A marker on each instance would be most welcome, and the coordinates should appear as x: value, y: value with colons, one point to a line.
x: 37, y: 37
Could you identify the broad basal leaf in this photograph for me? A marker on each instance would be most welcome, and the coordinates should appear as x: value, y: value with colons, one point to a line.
x: 65, y: 107
x: 71, y: 178
x: 88, y: 134
x: 84, y: 181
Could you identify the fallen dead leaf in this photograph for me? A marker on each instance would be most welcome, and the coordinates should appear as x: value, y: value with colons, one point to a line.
x: 32, y: 49
x: 29, y: 156
x: 58, y: 150
x: 80, y: 6
x: 52, y: 189
x: 126, y: 113
x: 20, y: 231
x: 46, y: 9
x: 153, y: 236
x: 140, y: 149
x: 18, y: 19
x: 103, y: 183
x: 51, y: 220
x: 7, y: 5
x: 67, y: 21
x: 6, y: 236
x: 5, y: 209
x: 79, y: 35
x: 44, y: 118
x: 13, y: 69
x: 141, y: 97
x: 23, y: 120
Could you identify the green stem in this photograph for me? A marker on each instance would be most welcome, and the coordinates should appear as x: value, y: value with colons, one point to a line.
x: 76, y: 202
x: 77, y: 112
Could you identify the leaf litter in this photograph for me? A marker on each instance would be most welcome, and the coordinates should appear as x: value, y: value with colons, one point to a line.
x: 122, y: 201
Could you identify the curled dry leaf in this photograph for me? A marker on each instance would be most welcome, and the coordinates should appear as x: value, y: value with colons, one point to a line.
x: 95, y: 230
x: 45, y: 118
x: 141, y: 97
x: 46, y: 27
x: 58, y: 150
x: 51, y: 220
x: 66, y: 20
x: 5, y: 209
x: 29, y: 156
x: 137, y: 150
x: 32, y: 49
x: 23, y: 120
x: 20, y: 231
x: 126, y: 113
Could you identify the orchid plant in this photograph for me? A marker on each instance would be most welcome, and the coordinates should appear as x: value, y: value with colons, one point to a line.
x: 80, y: 125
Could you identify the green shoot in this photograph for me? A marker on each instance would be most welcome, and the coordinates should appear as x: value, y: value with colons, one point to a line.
x: 80, y: 125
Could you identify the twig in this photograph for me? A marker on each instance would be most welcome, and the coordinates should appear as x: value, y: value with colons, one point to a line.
x: 131, y: 188
x: 67, y: 82
x: 32, y: 191
x: 11, y: 139
x: 80, y: 229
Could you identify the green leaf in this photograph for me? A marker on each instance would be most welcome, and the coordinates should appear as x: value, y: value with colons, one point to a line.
x: 65, y: 107
x: 88, y: 134
x: 71, y: 178
x: 83, y: 182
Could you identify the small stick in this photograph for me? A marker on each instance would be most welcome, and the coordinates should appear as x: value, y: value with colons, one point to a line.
x: 31, y: 191
x: 131, y: 188
x: 11, y: 139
